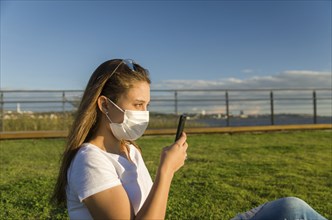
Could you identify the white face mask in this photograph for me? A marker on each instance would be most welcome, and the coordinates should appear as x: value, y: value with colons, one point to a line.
x: 133, y: 126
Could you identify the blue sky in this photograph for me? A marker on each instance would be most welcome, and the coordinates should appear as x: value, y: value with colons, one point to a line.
x: 184, y: 44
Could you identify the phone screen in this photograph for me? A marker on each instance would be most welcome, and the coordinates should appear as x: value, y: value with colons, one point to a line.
x: 179, y: 131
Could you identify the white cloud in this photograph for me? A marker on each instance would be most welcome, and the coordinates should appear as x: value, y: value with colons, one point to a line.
x: 289, y: 79
x: 247, y: 71
x: 235, y: 81
x: 306, y: 72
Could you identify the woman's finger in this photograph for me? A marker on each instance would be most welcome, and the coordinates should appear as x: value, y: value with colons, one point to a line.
x: 182, y: 139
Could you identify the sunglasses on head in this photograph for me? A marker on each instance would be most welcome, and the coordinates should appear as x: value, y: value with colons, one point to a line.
x: 128, y: 62
x: 131, y: 64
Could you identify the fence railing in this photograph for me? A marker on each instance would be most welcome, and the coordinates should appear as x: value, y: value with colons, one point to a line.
x: 230, y: 107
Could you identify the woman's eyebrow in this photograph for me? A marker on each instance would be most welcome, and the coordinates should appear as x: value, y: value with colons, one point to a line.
x: 143, y: 101
x: 140, y: 100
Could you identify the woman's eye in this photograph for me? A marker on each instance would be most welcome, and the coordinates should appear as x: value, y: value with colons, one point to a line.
x: 141, y: 106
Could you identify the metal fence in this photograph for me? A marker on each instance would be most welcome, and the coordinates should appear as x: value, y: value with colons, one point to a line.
x: 233, y: 107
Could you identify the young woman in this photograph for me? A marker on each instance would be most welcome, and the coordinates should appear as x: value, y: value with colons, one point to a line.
x: 103, y: 175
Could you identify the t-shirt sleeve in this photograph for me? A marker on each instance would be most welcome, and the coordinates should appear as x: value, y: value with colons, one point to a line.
x: 92, y: 172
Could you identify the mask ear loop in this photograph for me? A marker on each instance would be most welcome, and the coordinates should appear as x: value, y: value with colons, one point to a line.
x: 106, y: 113
x: 116, y: 105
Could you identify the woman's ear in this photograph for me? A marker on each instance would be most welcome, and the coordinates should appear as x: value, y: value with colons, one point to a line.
x: 102, y: 104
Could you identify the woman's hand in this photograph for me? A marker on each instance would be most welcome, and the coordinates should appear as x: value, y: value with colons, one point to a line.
x: 173, y: 157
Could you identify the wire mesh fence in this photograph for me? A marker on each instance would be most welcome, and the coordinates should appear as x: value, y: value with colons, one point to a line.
x: 24, y: 110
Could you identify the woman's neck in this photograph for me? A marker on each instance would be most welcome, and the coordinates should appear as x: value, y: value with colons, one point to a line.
x: 105, y: 140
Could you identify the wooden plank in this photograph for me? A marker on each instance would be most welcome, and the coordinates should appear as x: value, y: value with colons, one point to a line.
x: 33, y: 134
x: 241, y: 129
x: 270, y: 128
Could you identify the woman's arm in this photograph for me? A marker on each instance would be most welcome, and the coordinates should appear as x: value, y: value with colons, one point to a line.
x: 114, y: 203
x: 172, y: 159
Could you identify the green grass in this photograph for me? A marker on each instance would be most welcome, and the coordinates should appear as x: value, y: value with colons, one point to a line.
x: 224, y: 175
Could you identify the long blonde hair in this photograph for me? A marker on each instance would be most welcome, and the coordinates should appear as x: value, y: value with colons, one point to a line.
x: 111, y: 79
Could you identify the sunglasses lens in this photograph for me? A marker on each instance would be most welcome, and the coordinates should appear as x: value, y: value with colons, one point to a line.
x: 130, y: 64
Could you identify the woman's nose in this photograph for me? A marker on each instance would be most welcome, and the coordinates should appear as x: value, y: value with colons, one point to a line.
x: 146, y: 107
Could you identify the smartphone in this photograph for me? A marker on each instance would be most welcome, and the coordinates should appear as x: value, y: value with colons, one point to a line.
x: 179, y: 131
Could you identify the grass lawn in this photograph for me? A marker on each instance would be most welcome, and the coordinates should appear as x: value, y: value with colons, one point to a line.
x: 224, y: 175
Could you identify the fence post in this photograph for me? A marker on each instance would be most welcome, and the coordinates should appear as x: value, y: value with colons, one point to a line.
x: 63, y: 102
x: 272, y: 107
x: 176, y: 102
x: 314, y: 99
x: 2, y: 125
x: 227, y: 108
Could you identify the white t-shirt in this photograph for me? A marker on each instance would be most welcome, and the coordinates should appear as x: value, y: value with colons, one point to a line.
x: 94, y: 170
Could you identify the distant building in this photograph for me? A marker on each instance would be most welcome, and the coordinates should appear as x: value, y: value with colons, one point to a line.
x: 242, y: 115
